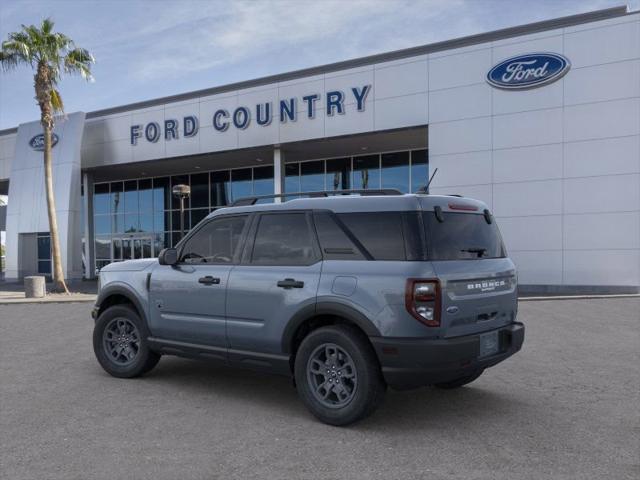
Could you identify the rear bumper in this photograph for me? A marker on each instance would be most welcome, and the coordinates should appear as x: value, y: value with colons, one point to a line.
x: 410, y: 363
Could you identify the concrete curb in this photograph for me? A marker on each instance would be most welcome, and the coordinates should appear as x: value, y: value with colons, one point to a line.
x: 69, y: 299
x: 576, y: 297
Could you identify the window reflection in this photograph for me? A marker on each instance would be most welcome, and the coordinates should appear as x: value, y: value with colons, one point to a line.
x: 366, y: 172
x: 312, y: 176
x: 338, y: 174
x: 395, y: 171
x: 220, y: 188
x: 241, y: 183
x: 419, y: 169
x: 292, y: 177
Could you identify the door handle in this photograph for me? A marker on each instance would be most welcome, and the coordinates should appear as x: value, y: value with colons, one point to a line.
x: 209, y: 280
x: 290, y: 283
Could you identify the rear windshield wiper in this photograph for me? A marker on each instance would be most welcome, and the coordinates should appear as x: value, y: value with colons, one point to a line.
x: 477, y: 250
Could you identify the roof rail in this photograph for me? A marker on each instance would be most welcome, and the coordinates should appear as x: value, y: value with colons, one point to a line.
x: 245, y: 201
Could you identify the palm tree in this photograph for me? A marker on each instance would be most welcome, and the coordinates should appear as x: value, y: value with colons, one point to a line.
x: 50, y: 55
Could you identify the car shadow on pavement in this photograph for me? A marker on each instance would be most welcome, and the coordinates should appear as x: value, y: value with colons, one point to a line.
x: 425, y: 408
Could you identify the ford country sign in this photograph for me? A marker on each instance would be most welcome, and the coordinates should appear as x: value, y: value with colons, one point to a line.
x: 37, y: 142
x: 528, y: 71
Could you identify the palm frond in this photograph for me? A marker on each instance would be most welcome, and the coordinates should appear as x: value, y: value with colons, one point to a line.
x: 47, y: 26
x: 56, y: 101
x: 79, y: 61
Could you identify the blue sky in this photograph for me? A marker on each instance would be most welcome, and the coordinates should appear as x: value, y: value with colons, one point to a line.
x: 149, y: 49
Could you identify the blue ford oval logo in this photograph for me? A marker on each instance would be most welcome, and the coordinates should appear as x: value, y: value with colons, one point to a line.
x: 37, y: 142
x: 528, y: 71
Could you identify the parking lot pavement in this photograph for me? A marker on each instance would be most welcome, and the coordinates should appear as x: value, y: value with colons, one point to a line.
x: 567, y: 406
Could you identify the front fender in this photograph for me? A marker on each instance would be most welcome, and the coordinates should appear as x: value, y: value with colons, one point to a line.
x: 126, y: 290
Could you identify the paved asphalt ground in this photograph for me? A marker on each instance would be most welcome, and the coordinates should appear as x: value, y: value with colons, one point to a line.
x: 567, y: 406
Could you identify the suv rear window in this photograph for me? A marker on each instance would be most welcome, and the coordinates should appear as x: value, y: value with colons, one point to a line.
x: 462, y: 236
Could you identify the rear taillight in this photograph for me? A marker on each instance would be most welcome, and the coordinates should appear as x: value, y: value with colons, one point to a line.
x: 422, y: 299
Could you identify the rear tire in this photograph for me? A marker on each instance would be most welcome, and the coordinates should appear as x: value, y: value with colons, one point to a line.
x: 459, y: 382
x: 338, y: 376
x: 120, y: 343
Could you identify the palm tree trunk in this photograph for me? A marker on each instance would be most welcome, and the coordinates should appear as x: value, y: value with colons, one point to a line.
x: 59, y: 284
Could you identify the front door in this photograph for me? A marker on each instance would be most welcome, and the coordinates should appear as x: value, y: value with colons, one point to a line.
x: 187, y: 300
x: 277, y: 278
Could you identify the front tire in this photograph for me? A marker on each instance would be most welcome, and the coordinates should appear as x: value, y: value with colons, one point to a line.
x: 120, y: 343
x: 338, y: 376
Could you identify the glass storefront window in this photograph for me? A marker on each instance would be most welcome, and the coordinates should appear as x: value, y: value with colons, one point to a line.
x: 220, y: 188
x: 312, y: 176
x: 101, y: 198
x: 200, y: 190
x: 395, y: 171
x: 161, y: 194
x: 131, y: 203
x: 197, y: 215
x: 338, y: 174
x: 103, y: 248
x: 146, y: 222
x: 117, y: 192
x: 131, y: 223
x: 241, y: 183
x: 175, y: 220
x: 117, y: 223
x: 145, y: 195
x: 366, y: 172
x: 161, y: 221
x: 419, y: 169
x: 263, y: 180
x: 102, y: 224
x: 292, y: 177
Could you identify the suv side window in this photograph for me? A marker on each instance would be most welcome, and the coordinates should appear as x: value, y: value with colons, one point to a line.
x: 284, y: 239
x: 334, y: 240
x: 380, y: 233
x: 216, y: 242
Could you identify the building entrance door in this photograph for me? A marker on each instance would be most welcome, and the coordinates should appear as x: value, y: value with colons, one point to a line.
x: 132, y: 247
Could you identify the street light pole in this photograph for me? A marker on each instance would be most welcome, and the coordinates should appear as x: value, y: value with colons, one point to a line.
x: 181, y: 192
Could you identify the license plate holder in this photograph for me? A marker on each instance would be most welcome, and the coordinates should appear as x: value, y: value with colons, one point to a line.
x: 489, y: 344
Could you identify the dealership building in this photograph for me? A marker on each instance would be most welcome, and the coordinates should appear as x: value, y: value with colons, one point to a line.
x: 539, y: 121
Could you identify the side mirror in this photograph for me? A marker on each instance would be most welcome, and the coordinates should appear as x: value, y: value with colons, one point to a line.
x: 168, y: 256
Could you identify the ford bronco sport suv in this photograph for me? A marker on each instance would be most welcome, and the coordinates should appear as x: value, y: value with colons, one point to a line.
x: 347, y: 294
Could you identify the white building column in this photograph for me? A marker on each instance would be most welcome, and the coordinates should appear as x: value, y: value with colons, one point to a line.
x: 278, y: 172
x: 87, y: 221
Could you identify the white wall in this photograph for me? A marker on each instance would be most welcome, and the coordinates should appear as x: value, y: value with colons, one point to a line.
x: 7, y: 151
x: 559, y: 165
x: 398, y: 98
x: 27, y: 206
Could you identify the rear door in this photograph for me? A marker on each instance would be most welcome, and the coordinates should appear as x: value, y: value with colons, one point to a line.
x: 278, y: 276
x: 477, y: 279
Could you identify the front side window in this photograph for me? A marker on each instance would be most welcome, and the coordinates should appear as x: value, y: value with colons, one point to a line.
x: 283, y: 239
x: 217, y: 242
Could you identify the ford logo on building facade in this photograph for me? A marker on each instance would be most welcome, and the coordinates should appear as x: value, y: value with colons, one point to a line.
x: 528, y: 71
x: 37, y: 142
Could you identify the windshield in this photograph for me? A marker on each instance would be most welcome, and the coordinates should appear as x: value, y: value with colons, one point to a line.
x: 462, y: 236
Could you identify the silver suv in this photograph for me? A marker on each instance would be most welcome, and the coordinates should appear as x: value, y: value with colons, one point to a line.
x: 347, y: 294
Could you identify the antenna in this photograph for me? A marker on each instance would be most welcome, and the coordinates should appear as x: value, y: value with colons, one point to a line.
x: 425, y: 189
